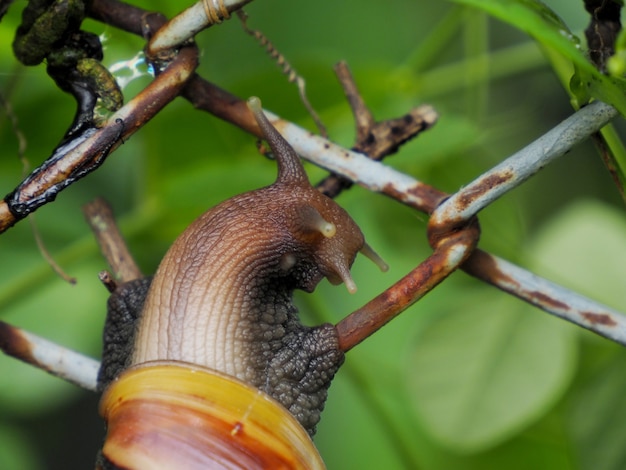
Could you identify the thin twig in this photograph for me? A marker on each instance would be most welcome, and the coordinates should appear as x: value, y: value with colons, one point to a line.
x: 15, y: 128
x: 287, y: 69
x: 46, y: 254
x: 374, y: 139
x: 610, y: 162
x: 100, y: 217
x: 363, y: 117
x: 21, y: 154
x: 46, y: 355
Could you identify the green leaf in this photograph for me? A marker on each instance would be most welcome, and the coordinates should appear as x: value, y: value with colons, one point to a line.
x: 597, y: 420
x: 484, y: 372
x: 584, y: 248
x: 540, y: 22
x: 537, y: 20
x: 349, y: 414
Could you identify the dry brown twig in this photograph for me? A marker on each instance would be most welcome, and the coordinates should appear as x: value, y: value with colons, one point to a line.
x: 100, y: 218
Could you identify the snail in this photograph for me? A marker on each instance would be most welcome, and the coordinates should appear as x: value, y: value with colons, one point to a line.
x: 217, y: 318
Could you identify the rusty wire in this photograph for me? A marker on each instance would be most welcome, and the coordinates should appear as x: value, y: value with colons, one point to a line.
x: 51, y: 357
x: 446, y: 217
x: 548, y: 296
x: 453, y: 229
x: 190, y: 22
x: 449, y: 253
x: 519, y: 167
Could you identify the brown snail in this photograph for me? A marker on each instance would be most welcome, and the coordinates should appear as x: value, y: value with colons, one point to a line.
x: 219, y: 308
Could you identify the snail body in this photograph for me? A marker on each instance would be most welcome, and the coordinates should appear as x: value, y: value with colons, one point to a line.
x: 221, y: 299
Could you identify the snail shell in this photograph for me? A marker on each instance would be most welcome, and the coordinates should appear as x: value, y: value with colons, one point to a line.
x: 173, y: 416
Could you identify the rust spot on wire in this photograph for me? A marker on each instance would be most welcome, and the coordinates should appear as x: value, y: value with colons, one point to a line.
x: 470, y: 194
x: 483, y: 266
x: 383, y: 308
x: 543, y: 299
x: 13, y: 343
x: 599, y: 318
x: 420, y: 196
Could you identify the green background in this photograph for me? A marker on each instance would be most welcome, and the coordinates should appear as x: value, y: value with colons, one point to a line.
x: 468, y: 377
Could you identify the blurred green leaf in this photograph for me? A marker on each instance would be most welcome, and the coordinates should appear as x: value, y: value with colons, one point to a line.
x: 536, y: 19
x: 16, y: 452
x: 616, y: 64
x: 539, y: 21
x: 584, y: 248
x: 597, y: 416
x: 484, y: 372
x: 364, y: 441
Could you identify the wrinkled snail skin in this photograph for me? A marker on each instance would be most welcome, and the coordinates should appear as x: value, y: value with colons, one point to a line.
x: 123, y: 312
x: 221, y: 298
